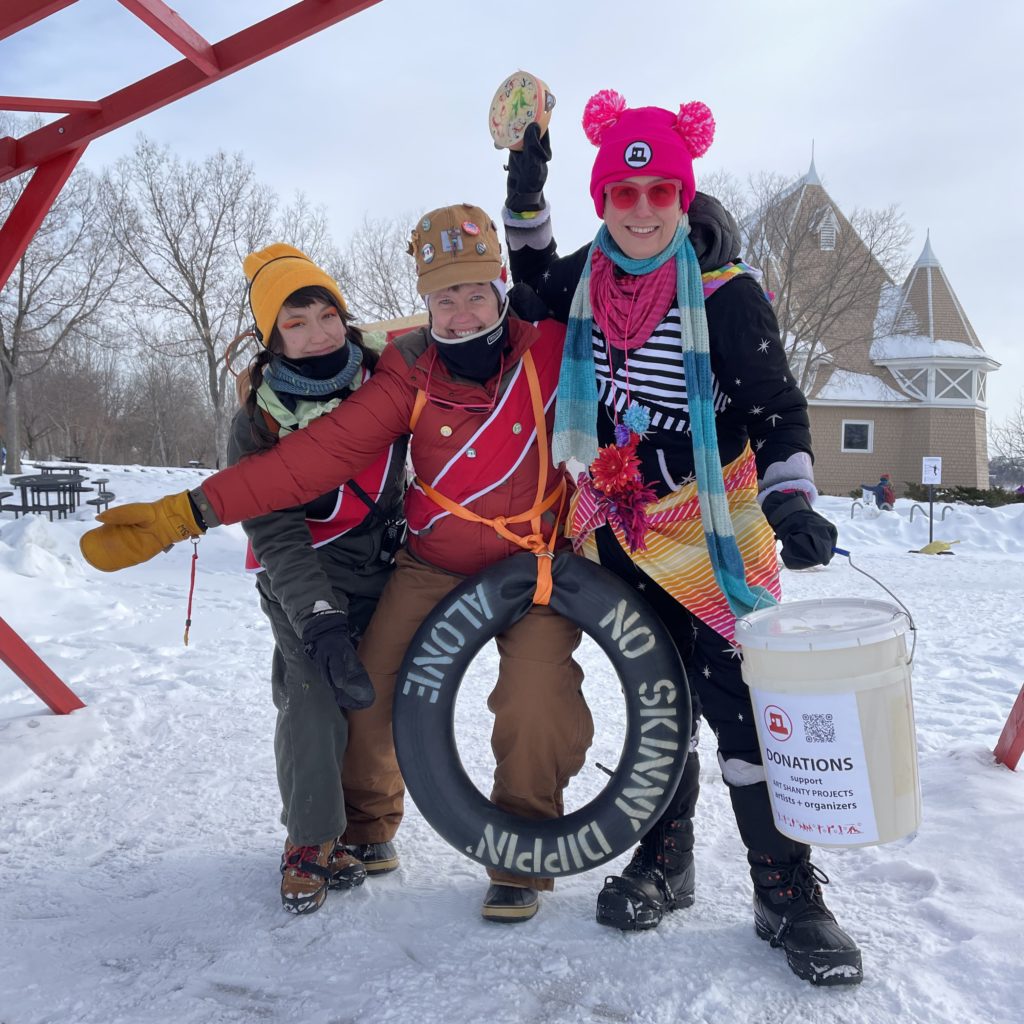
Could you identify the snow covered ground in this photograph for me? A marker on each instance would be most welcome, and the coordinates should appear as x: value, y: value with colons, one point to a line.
x: 139, y: 840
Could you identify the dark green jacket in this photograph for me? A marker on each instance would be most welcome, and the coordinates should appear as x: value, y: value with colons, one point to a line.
x: 348, y: 573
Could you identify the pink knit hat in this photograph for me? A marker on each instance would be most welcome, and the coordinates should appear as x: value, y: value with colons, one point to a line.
x: 648, y: 141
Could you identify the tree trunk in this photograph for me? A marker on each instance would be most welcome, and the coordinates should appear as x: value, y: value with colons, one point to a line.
x: 12, y: 430
x: 222, y: 423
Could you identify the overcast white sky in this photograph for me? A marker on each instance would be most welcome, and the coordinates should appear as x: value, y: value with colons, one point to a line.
x: 914, y: 102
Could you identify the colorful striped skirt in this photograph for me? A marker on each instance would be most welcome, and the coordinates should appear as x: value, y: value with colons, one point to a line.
x: 676, y: 555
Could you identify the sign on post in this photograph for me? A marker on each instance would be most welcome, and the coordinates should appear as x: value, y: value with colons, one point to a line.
x: 931, y: 470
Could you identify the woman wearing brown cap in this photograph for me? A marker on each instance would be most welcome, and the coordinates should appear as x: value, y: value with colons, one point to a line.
x: 475, y: 390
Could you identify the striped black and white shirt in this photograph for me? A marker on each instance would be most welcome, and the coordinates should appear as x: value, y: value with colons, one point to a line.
x: 652, y: 375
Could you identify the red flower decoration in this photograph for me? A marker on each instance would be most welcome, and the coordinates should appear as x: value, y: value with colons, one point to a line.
x: 616, y: 473
x: 617, y: 469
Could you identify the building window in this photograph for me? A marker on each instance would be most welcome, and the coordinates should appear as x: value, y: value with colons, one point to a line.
x: 827, y: 232
x: 858, y: 436
x: 913, y: 381
x: 953, y: 385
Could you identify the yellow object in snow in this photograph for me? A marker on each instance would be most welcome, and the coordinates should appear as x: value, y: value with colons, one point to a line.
x: 938, y: 547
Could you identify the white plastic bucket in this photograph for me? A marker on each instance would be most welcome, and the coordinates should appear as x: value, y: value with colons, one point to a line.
x: 830, y: 685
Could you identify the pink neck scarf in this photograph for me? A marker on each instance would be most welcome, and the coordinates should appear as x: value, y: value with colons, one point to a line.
x: 627, y: 308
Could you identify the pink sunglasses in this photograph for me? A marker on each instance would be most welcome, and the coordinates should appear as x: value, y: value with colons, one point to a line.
x: 660, y: 194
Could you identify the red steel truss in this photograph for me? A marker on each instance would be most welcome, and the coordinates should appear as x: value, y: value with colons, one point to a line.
x: 47, y: 150
x: 50, y: 153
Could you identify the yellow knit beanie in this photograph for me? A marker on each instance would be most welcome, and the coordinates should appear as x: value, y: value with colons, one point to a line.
x: 273, y: 274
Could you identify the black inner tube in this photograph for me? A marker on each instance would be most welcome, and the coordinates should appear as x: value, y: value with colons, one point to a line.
x: 654, y: 687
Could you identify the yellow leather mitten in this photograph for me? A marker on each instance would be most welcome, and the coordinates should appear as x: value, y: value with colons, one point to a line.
x: 131, y: 534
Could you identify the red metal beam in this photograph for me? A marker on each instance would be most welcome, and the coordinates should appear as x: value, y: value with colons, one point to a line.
x: 175, y: 30
x: 32, y: 206
x: 1011, y: 740
x: 55, y: 149
x: 46, y: 106
x: 42, y: 681
x: 18, y: 14
x: 266, y: 37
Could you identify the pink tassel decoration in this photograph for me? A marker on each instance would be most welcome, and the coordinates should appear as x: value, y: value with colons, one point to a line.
x: 629, y: 513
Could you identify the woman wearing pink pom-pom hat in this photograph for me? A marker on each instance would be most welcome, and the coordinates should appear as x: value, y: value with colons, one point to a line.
x: 676, y: 395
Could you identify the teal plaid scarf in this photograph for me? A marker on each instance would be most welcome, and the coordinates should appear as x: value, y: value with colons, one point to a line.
x: 575, y: 433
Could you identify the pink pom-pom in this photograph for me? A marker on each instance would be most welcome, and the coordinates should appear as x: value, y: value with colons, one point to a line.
x: 696, y: 125
x: 603, y: 109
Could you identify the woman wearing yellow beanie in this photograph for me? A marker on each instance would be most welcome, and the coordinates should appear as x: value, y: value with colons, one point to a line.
x: 319, y: 566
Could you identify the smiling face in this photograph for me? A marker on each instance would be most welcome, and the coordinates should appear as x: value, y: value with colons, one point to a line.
x: 313, y: 330
x: 463, y: 310
x: 643, y: 230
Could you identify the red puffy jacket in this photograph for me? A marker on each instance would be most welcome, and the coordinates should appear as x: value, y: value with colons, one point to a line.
x: 335, y: 447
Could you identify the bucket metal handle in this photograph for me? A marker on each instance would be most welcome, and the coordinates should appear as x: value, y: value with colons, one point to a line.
x: 906, y: 610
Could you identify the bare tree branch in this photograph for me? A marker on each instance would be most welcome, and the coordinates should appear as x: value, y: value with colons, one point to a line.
x: 58, y: 289
x: 832, y: 276
x: 376, y: 271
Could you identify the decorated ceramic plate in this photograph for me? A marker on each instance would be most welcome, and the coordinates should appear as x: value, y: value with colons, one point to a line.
x: 520, y: 99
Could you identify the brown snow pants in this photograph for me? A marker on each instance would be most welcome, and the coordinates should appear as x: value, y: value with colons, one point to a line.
x: 542, y: 725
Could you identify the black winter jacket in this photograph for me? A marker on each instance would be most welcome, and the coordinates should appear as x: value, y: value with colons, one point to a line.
x: 764, y: 404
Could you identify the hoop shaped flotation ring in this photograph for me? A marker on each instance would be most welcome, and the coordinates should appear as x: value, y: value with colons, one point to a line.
x: 654, y: 686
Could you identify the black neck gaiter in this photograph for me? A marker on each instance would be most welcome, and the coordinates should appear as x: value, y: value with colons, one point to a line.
x: 320, y: 367
x: 479, y: 357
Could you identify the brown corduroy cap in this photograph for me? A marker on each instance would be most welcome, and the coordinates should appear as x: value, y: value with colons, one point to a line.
x: 455, y: 245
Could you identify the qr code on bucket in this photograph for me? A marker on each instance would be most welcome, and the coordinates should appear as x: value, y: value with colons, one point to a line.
x: 819, y: 729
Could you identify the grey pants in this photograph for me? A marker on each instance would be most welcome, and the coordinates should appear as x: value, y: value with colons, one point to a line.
x: 309, y: 741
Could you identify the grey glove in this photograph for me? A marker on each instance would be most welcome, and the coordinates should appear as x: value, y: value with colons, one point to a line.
x: 807, y: 537
x: 326, y: 640
x: 527, y: 171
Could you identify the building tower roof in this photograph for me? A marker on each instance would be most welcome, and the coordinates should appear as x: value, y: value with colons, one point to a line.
x: 811, y: 177
x: 929, y: 306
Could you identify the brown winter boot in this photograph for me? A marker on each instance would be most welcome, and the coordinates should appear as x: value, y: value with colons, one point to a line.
x: 305, y: 876
x: 377, y: 858
x: 509, y: 904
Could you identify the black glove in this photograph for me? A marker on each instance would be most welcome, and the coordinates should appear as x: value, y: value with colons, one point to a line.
x: 807, y: 537
x: 528, y: 170
x: 326, y: 640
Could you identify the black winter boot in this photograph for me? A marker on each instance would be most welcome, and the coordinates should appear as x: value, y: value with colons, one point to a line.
x: 789, y: 909
x: 660, y: 877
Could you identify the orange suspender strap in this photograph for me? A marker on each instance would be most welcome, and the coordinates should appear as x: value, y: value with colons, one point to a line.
x: 417, y: 409
x: 544, y: 550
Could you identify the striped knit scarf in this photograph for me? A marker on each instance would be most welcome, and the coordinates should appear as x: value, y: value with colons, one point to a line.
x: 284, y: 379
x: 575, y: 432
